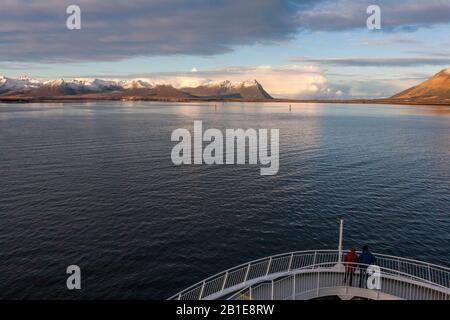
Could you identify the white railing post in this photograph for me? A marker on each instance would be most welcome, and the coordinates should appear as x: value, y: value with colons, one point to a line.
x: 271, y: 293
x: 246, y: 273
x: 293, y: 290
x: 268, y: 267
x: 224, y: 282
x: 318, y: 283
x: 290, y: 261
x: 341, y: 232
x: 429, y: 272
x: 314, y: 259
x: 201, y: 291
x: 250, y: 293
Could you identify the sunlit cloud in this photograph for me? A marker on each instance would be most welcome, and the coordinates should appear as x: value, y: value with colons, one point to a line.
x: 290, y: 81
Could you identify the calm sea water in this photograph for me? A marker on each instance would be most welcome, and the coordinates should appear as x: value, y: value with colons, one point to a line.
x: 94, y: 185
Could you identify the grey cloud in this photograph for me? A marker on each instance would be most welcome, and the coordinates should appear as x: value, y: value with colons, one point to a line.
x: 35, y: 30
x: 116, y: 29
x: 400, y: 15
x: 392, y: 39
x: 378, y: 62
x: 434, y: 53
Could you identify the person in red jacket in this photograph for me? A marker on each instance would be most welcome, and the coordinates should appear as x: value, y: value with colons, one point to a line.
x: 350, y: 263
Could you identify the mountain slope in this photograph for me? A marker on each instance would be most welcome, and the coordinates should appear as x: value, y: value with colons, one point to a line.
x: 157, y: 92
x: 436, y: 89
x: 253, y: 90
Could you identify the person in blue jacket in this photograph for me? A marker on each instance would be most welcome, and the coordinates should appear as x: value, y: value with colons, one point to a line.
x: 366, y: 258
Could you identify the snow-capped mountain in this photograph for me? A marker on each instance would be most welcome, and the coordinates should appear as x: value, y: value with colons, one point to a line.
x: 82, y: 85
x: 25, y: 87
x: 22, y: 83
x: 228, y: 85
x: 97, y: 84
x: 137, y: 84
x: 227, y: 89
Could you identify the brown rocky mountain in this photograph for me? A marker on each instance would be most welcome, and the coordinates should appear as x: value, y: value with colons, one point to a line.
x: 434, y: 90
x: 158, y: 91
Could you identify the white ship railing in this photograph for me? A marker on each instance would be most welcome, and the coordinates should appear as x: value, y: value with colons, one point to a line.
x: 286, y: 267
x: 328, y: 279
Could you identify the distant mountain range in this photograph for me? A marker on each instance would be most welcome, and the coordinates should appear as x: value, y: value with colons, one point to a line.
x: 25, y: 88
x: 434, y: 90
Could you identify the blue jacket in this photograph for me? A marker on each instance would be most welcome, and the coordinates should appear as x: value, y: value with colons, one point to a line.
x: 366, y: 258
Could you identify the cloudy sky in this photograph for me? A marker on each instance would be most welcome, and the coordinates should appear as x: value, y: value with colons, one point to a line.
x: 295, y: 48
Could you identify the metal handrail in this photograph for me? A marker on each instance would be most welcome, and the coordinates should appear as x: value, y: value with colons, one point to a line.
x: 434, y: 274
x: 332, y: 282
x: 330, y: 267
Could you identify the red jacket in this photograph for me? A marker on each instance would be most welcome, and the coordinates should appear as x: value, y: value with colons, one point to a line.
x: 350, y: 261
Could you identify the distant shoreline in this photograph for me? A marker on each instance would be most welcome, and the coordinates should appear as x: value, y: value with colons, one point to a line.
x: 66, y: 99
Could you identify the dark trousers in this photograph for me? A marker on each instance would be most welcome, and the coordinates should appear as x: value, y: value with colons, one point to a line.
x: 363, y: 278
x: 348, y: 277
